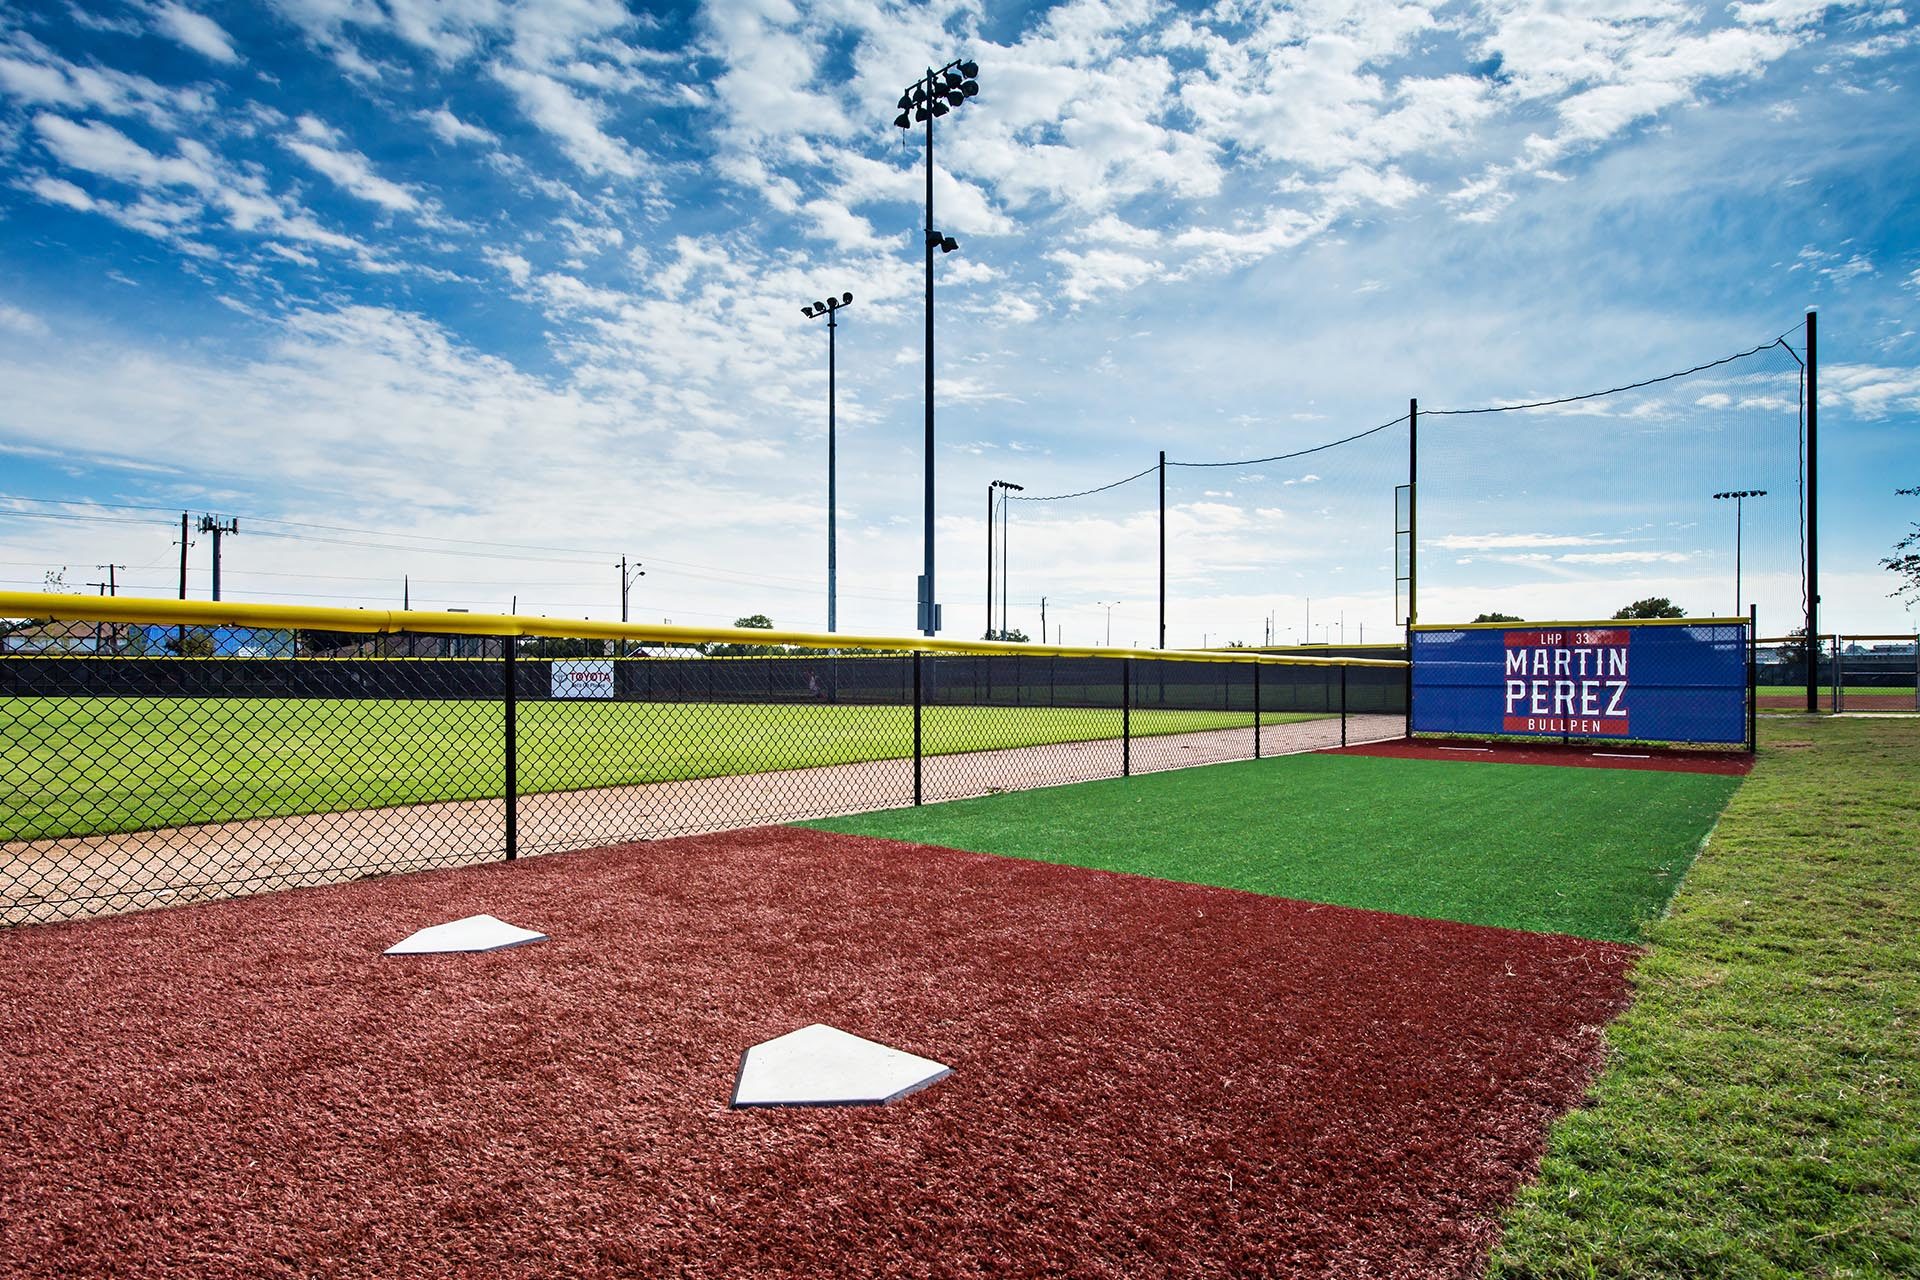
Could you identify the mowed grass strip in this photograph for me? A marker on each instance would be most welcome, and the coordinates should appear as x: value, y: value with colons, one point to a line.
x: 1592, y: 852
x: 84, y: 766
x: 1761, y: 1114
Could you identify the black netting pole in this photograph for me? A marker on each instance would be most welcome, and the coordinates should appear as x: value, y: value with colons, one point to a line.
x: 1753, y: 678
x: 1343, y: 706
x: 1813, y: 507
x: 512, y: 789
x: 1126, y: 717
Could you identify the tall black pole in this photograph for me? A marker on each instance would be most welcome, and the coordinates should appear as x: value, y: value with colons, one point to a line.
x: 1813, y: 509
x: 1413, y: 514
x: 833, y: 546
x: 989, y: 560
x: 1163, y: 549
x: 927, y: 621
x: 216, y: 560
x: 1005, y: 567
x: 183, y: 555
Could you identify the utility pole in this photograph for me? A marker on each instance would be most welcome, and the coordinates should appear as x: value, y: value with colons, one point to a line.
x: 1163, y: 550
x: 108, y: 588
x: 630, y: 576
x: 185, y: 542
x: 215, y: 526
x: 1043, y: 619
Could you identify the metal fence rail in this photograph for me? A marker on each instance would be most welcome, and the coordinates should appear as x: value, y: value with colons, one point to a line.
x: 157, y: 752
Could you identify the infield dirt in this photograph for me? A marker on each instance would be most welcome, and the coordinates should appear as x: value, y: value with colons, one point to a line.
x: 1149, y: 1078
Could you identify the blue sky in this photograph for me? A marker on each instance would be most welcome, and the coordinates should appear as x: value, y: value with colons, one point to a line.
x: 492, y: 294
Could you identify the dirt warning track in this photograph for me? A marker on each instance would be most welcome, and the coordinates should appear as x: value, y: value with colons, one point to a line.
x: 1149, y: 1078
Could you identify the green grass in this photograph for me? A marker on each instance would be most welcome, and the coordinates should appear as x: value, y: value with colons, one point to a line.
x: 1826, y: 691
x: 1594, y: 852
x: 95, y: 765
x: 1760, y: 1116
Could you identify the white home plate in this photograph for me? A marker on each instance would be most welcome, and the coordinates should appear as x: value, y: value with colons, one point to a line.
x: 822, y: 1066
x: 475, y: 933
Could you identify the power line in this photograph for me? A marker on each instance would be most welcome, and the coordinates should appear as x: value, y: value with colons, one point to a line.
x: 1631, y: 386
x: 1297, y: 453
x: 1057, y: 497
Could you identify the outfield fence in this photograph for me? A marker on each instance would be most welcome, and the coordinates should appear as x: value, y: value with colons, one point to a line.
x: 159, y: 752
x: 1853, y: 673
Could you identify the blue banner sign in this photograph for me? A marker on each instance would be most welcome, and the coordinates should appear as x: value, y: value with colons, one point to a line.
x: 1663, y: 683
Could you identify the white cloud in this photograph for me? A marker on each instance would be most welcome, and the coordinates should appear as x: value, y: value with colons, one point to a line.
x: 451, y: 129
x: 196, y: 31
x: 518, y: 269
x: 1492, y: 541
x: 102, y: 149
x: 349, y: 170
x: 1095, y: 271
x: 572, y: 121
x: 19, y: 321
x: 1872, y: 391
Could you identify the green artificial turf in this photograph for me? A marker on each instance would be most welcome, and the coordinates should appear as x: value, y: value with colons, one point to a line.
x: 1760, y: 1116
x: 1593, y: 852
x: 76, y: 766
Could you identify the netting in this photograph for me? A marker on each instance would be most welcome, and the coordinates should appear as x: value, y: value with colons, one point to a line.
x: 1295, y: 546
x: 1577, y: 507
x: 1092, y: 549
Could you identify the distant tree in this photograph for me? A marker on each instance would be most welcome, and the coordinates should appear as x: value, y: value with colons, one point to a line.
x: 55, y: 580
x: 1499, y: 617
x: 1904, y: 563
x: 752, y: 622
x: 1652, y: 607
x: 1236, y: 644
x: 1013, y: 635
x: 312, y: 642
x: 562, y: 647
x: 193, y: 642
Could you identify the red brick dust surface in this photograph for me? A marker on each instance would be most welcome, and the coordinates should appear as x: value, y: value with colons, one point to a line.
x: 1148, y: 1078
x: 1731, y: 763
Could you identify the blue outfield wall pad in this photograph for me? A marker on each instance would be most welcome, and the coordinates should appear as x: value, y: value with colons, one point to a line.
x: 1646, y: 681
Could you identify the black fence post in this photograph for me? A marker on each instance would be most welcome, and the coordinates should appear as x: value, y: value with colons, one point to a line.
x: 1126, y: 717
x: 1343, y: 704
x: 1753, y: 678
x: 1256, y: 711
x: 916, y: 727
x: 1409, y: 699
x: 513, y: 765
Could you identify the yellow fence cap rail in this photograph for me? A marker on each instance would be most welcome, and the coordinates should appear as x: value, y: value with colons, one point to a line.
x: 136, y: 611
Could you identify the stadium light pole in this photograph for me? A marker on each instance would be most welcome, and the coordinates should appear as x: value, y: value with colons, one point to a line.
x: 1006, y: 487
x: 932, y: 96
x: 831, y: 310
x: 1739, y: 497
x: 1108, y: 606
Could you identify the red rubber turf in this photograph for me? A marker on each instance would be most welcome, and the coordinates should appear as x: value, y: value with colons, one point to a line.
x: 1149, y: 1078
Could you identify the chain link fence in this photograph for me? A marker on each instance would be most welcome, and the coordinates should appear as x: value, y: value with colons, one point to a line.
x: 1850, y: 673
x: 149, y: 761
